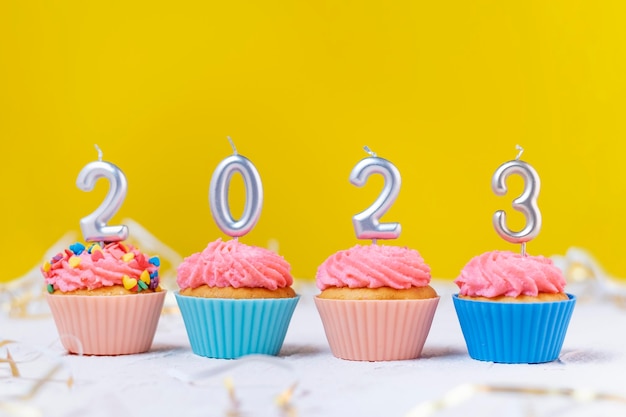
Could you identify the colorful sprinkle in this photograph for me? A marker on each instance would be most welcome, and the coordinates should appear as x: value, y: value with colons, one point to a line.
x: 142, y: 261
x: 155, y: 261
x: 94, y: 248
x: 96, y: 255
x: 127, y: 257
x: 122, y: 247
x: 129, y: 283
x: 50, y: 288
x: 74, y: 261
x: 142, y: 285
x: 46, y: 266
x: 145, y: 277
x: 77, y: 248
x: 57, y: 257
x: 155, y: 274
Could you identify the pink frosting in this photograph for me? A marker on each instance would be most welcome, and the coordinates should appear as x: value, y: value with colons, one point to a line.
x: 374, y: 266
x: 234, y: 264
x: 510, y: 274
x: 98, y: 268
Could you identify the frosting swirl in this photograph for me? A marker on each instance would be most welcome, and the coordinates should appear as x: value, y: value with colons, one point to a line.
x: 374, y: 266
x: 80, y: 267
x: 234, y: 264
x: 504, y: 273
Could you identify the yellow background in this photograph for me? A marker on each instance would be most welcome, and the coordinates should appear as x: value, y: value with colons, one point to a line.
x: 442, y: 89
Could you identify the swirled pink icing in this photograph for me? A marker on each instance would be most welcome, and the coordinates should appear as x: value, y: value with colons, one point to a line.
x: 93, y: 267
x: 234, y: 264
x: 374, y: 266
x: 504, y: 273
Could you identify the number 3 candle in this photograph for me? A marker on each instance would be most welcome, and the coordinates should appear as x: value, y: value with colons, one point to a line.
x: 94, y: 226
x: 366, y: 223
x: 218, y: 194
x: 525, y: 203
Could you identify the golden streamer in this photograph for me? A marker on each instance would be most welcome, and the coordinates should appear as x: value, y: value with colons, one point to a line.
x: 580, y: 395
x: 235, y: 405
x: 21, y: 298
x: 465, y: 392
x: 14, y: 371
x: 9, y: 359
x: 581, y: 268
x: 17, y: 405
x: 19, y: 410
x: 283, y: 401
x: 48, y: 377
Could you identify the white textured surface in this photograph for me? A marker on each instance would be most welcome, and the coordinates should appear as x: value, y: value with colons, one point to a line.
x: 155, y: 383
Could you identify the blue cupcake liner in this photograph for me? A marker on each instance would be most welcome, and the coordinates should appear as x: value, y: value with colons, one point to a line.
x: 514, y: 332
x: 230, y: 328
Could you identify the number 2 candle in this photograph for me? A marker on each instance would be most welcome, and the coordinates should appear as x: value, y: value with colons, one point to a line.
x: 366, y: 223
x: 94, y: 226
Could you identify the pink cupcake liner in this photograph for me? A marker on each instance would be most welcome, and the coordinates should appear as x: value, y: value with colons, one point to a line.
x: 376, y: 330
x: 106, y: 325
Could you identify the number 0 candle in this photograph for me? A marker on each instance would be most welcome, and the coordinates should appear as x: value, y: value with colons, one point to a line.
x: 366, y: 223
x: 218, y: 194
x: 526, y: 203
x: 94, y: 226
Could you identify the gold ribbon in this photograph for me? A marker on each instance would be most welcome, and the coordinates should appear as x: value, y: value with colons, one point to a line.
x: 17, y: 405
x: 463, y: 393
x: 283, y: 400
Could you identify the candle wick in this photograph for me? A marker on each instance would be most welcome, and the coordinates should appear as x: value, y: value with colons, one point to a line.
x: 524, y: 249
x: 519, y: 154
x: 232, y: 144
x: 369, y: 151
x: 99, y: 152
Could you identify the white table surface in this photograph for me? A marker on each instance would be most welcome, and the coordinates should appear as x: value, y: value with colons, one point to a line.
x: 171, y: 380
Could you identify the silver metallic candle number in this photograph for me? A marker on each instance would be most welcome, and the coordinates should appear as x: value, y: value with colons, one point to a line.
x: 526, y: 203
x: 366, y: 223
x: 94, y: 226
x: 218, y: 194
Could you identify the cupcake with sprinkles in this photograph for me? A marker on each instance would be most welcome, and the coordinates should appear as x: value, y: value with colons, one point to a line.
x: 104, y: 295
x: 105, y: 300
x: 114, y: 269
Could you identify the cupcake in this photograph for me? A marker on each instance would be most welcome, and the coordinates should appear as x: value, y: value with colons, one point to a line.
x: 104, y: 300
x: 512, y: 308
x: 376, y: 302
x: 235, y: 300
